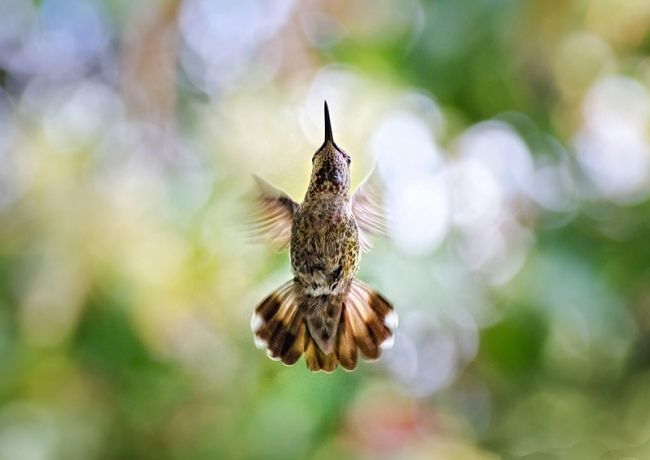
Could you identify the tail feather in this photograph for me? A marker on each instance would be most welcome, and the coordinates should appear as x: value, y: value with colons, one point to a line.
x: 324, y: 319
x: 318, y: 361
x: 372, y: 319
x: 346, y: 347
x: 362, y: 336
x: 293, y: 347
x: 278, y: 325
x: 365, y: 322
x: 368, y: 322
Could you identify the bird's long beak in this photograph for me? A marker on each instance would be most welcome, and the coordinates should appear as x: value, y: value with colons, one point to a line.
x: 328, y: 126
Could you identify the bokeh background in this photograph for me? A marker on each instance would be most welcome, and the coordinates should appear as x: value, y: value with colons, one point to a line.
x: 512, y: 138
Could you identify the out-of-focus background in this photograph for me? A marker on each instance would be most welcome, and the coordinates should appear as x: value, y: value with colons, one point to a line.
x: 512, y: 138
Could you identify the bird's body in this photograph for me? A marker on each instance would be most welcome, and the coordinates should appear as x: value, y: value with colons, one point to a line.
x: 324, y: 246
x: 324, y: 312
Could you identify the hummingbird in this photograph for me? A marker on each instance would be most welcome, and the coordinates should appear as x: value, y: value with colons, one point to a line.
x: 324, y: 311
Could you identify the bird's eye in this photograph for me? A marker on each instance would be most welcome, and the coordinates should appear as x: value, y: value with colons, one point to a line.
x: 348, y: 159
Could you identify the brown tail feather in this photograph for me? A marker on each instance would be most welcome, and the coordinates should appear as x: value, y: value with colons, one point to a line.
x: 371, y: 318
x: 278, y: 325
x: 318, y: 361
x: 362, y: 335
x: 293, y: 348
x: 373, y: 321
x: 366, y: 324
x: 346, y: 347
x: 323, y: 319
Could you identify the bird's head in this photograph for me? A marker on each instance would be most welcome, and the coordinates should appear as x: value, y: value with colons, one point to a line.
x: 331, y: 166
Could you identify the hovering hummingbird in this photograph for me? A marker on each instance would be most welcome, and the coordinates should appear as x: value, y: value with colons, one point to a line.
x: 324, y: 311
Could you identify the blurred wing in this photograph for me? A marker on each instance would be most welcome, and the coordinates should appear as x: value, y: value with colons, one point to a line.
x: 368, y: 210
x: 274, y: 217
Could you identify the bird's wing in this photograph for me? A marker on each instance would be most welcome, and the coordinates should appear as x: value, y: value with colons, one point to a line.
x: 368, y: 210
x: 274, y: 217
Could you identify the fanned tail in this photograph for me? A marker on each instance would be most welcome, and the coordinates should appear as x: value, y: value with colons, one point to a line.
x: 365, y: 327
